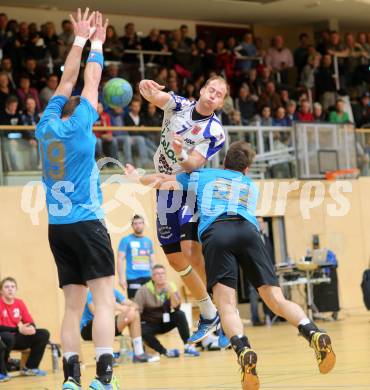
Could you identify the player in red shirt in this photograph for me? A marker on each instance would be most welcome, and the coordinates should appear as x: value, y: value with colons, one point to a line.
x: 18, y: 331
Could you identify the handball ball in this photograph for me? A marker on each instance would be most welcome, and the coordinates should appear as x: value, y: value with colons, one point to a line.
x: 117, y: 93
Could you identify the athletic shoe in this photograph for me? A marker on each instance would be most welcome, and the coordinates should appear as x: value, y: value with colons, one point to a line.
x: 97, y: 385
x: 223, y: 340
x: 325, y: 355
x: 145, y: 358
x: 32, y: 372
x: 248, y: 361
x: 5, y: 377
x: 205, y: 327
x: 71, y: 384
x: 191, y: 351
x: 210, y: 343
x: 172, y: 353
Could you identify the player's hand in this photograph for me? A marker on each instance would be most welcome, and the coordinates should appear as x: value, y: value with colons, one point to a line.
x: 177, y: 144
x: 150, y: 87
x: 100, y: 29
x: 123, y: 284
x: 82, y: 25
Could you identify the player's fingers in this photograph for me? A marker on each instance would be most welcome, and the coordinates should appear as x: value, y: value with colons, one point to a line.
x: 106, y: 24
x: 78, y: 14
x: 72, y: 19
x: 100, y: 19
x: 86, y: 13
x: 92, y: 18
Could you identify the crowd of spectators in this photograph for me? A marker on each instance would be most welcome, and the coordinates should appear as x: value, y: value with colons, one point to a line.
x: 269, y: 86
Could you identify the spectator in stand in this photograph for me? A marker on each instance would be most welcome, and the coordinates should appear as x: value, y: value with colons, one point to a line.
x: 252, y: 83
x: 280, y: 119
x: 361, y: 110
x: 151, y: 42
x: 264, y: 78
x: 152, y: 117
x: 225, y: 60
x: 245, y: 104
x: 7, y: 66
x: 113, y: 48
x: 318, y: 114
x: 235, y: 118
x: 339, y: 115
x: 301, y: 53
x: 51, y: 40
x: 265, y: 118
x: 48, y: 91
x: 279, y: 58
x: 104, y: 139
x: 36, y: 75
x: 112, y: 71
x: 190, y: 92
x: 173, y: 85
x: 162, y: 76
x: 5, y: 89
x: 36, y: 47
x: 19, y: 42
x: 18, y: 330
x: 261, y: 52
x: 309, y: 72
x: 67, y: 36
x: 362, y: 40
x: 26, y: 90
x: 131, y: 41
x: 185, y: 39
x: 291, y: 112
x: 3, y: 24
x: 10, y: 114
x: 337, y: 48
x: 305, y: 114
x: 284, y: 97
x: 138, y: 139
x: 323, y: 46
x: 245, y: 49
x: 269, y: 97
x: 325, y: 82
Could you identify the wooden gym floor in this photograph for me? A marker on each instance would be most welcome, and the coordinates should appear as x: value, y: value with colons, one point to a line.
x: 285, y: 362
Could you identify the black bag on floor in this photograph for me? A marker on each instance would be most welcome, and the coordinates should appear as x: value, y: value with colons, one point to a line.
x: 365, y: 285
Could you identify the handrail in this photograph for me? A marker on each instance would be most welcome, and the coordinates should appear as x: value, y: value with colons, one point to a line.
x: 95, y: 128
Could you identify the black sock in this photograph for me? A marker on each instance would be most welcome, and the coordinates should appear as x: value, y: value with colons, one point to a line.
x: 308, y: 330
x: 71, y: 369
x: 104, y: 368
x: 239, y: 343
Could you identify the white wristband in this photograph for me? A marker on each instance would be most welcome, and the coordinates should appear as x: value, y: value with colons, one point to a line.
x: 97, y: 45
x: 182, y: 157
x: 79, y: 41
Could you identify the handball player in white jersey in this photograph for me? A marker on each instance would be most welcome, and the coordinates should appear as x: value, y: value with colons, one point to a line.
x: 191, y: 135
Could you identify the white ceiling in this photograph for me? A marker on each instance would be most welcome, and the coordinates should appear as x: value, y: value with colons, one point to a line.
x: 347, y: 12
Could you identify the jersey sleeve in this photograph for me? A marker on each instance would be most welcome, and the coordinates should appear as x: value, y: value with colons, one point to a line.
x: 83, y: 117
x: 214, y: 139
x: 122, y: 247
x: 176, y: 103
x: 183, y: 179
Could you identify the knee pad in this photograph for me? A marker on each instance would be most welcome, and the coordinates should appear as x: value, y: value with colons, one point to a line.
x: 186, y: 271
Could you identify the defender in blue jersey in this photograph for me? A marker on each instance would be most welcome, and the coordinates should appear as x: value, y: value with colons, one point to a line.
x: 78, y: 237
x: 228, y: 231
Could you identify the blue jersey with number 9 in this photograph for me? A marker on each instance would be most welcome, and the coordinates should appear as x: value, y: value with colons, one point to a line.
x: 70, y: 173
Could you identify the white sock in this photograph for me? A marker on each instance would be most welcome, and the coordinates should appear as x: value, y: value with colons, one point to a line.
x: 138, y: 346
x: 102, y: 351
x: 68, y: 355
x: 304, y: 322
x: 207, y: 308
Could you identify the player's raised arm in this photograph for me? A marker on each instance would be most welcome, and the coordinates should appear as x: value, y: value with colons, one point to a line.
x: 82, y: 30
x: 95, y: 61
x: 152, y: 91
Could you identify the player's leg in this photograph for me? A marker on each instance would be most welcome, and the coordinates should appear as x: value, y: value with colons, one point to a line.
x: 293, y: 313
x: 220, y: 242
x: 103, y: 326
x: 75, y: 299
x: 260, y: 272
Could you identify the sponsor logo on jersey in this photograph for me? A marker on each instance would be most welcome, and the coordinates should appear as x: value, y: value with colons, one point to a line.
x: 189, y: 141
x: 196, y: 130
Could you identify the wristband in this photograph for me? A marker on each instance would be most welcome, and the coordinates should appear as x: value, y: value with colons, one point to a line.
x: 79, y: 41
x: 182, y: 157
x: 97, y: 45
x: 97, y: 57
